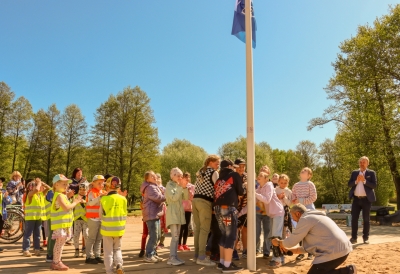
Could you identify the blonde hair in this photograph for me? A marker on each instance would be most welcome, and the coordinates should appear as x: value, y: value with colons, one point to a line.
x: 284, y: 177
x: 15, y: 173
x: 309, y: 171
x: 265, y: 175
x: 363, y: 158
x: 264, y: 168
x: 210, y: 158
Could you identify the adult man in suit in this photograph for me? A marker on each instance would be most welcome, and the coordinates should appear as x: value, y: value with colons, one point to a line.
x: 362, y: 183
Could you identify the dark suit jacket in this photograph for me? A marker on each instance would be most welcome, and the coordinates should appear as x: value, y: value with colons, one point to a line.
x: 369, y: 186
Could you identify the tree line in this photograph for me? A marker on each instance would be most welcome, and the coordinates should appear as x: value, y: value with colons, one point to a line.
x: 365, y: 95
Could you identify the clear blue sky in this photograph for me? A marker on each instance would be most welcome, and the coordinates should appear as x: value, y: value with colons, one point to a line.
x: 183, y: 55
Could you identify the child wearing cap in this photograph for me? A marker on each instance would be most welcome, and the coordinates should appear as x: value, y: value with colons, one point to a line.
x: 113, y: 212
x: 80, y: 220
x: 176, y: 191
x: 61, y: 218
x: 34, y: 214
x: 93, y: 244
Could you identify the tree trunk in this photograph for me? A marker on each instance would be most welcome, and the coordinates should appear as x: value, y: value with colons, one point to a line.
x: 15, y: 150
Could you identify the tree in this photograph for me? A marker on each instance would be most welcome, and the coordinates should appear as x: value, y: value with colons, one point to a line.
x: 183, y: 154
x: 20, y: 122
x: 73, y: 134
x: 6, y: 98
x: 308, y: 153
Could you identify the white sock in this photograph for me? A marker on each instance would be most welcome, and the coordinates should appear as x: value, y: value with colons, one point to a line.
x: 227, y: 264
x: 221, y: 261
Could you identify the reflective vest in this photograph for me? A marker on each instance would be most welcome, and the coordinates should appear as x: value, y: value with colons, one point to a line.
x: 113, y: 219
x: 79, y: 211
x: 35, y: 209
x: 47, y: 209
x: 59, y: 217
x: 93, y: 211
x: 1, y: 202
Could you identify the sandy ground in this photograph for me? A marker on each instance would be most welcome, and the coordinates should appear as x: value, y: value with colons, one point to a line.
x: 381, y: 256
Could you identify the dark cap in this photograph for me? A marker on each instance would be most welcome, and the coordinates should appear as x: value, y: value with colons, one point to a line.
x: 226, y: 163
x: 239, y: 161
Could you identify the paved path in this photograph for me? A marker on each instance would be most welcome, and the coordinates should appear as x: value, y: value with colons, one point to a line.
x: 11, y: 261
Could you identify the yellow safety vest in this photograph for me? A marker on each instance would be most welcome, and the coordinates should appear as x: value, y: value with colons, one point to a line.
x: 59, y: 217
x: 47, y: 209
x: 35, y: 209
x: 79, y: 211
x: 1, y: 202
x: 113, y: 219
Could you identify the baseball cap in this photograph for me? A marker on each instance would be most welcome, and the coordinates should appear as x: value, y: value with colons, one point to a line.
x: 84, y: 186
x: 113, y: 182
x: 226, y: 163
x: 61, y: 177
x: 98, y: 177
x: 239, y: 161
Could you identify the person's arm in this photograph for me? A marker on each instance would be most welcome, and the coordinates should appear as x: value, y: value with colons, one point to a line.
x: 295, y: 250
x: 313, y: 194
x: 154, y: 194
x: 301, y: 231
x: 238, y: 184
x: 100, y: 211
x: 266, y: 194
x: 185, y: 193
x: 371, y: 181
x: 352, y: 181
x: 173, y: 194
x: 92, y: 201
x: 287, y: 199
x: 294, y: 191
x: 67, y: 207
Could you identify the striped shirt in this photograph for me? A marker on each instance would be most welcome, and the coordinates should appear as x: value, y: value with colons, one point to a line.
x: 304, y: 192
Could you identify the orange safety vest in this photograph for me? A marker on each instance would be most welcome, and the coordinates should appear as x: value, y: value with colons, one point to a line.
x: 93, y: 211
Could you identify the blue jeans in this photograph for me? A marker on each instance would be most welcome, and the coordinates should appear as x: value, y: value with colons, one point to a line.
x: 227, y: 222
x: 265, y: 221
x: 173, y: 248
x: 32, y: 227
x: 276, y: 231
x: 153, y: 226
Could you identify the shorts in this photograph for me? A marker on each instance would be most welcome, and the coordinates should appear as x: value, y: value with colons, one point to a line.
x: 227, y: 223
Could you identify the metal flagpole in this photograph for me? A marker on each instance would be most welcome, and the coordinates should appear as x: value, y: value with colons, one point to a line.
x: 251, y: 204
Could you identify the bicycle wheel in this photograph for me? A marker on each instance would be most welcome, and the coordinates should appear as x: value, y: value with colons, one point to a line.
x: 13, y: 227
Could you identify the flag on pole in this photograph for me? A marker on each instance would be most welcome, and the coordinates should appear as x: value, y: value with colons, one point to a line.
x: 239, y: 27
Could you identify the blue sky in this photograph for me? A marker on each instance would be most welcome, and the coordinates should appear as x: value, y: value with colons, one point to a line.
x: 182, y: 54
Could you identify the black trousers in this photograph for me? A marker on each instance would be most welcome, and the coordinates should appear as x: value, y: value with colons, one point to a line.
x: 185, y: 228
x: 329, y: 267
x: 360, y: 204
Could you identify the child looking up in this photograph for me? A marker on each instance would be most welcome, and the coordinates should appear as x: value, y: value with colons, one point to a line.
x: 80, y: 220
x: 285, y: 196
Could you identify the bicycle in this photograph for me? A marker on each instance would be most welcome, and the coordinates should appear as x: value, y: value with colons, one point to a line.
x: 14, y: 226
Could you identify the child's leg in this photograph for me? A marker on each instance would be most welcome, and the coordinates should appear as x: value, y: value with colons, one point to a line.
x: 276, y: 231
x: 108, y: 254
x: 26, y: 242
x: 85, y: 232
x: 77, y: 233
x: 58, y: 249
x: 97, y: 243
x: 175, y: 229
x: 145, y: 232
x: 36, y: 234
x: 117, y: 251
x: 50, y: 241
x: 186, y: 228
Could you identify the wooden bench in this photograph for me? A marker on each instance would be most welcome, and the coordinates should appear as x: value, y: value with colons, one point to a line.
x: 340, y: 207
x: 130, y: 210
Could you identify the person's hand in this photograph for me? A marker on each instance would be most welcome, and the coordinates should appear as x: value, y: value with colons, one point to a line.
x: 183, y: 183
x: 281, y: 196
x: 70, y: 194
x: 5, y: 194
x: 275, y: 242
x: 78, y: 199
x: 295, y: 201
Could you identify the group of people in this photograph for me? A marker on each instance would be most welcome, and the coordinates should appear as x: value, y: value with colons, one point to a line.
x: 218, y: 203
x: 98, y: 210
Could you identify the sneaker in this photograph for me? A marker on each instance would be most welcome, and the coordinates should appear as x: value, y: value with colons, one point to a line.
x: 310, y: 257
x: 141, y: 253
x: 266, y: 256
x: 206, y: 262
x: 179, y: 259
x: 300, y: 257
x: 174, y: 261
x: 353, y: 241
x: 44, y: 243
x: 91, y: 261
x: 244, y: 254
x: 283, y: 261
x: 160, y: 246
x: 231, y: 268
x: 119, y: 269
x: 220, y: 266
x: 186, y: 248
x: 352, y: 269
x: 151, y: 259
x: 366, y: 241
x: 76, y: 253
x: 274, y: 264
x: 49, y: 259
x: 159, y: 259
x: 180, y: 248
x: 235, y: 255
x: 68, y: 242
x: 37, y: 252
x: 215, y: 258
x: 26, y: 254
x: 59, y: 266
x: 100, y: 260
x: 41, y: 248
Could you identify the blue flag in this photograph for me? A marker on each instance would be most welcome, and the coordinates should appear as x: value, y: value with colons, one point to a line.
x: 239, y: 26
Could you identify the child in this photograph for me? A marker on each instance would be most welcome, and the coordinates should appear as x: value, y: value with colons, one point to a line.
x: 268, y: 202
x: 176, y: 191
x: 113, y: 213
x: 34, y: 214
x: 153, y: 198
x: 50, y: 242
x: 4, y: 201
x: 61, y: 218
x: 14, y: 188
x: 162, y: 215
x: 187, y: 206
x: 285, y: 196
x: 304, y: 192
x: 93, y: 244
x: 80, y: 220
